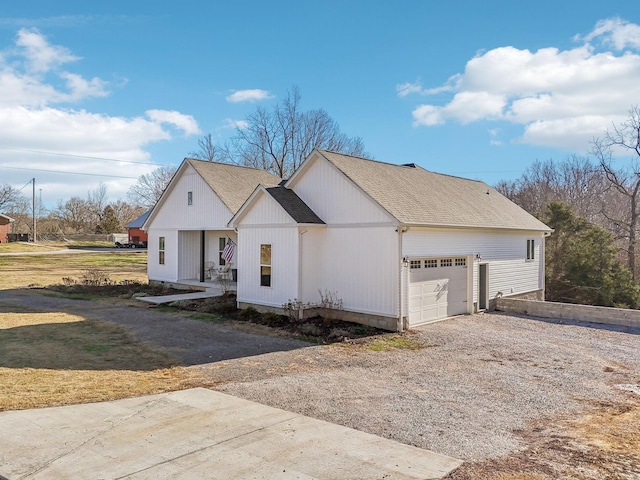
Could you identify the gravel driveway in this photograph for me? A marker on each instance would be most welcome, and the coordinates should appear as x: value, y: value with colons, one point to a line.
x: 476, y: 381
x: 473, y: 383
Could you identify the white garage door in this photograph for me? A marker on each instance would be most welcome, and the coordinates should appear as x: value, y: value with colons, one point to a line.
x: 437, y: 289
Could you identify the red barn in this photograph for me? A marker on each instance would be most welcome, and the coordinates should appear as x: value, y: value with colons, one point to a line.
x: 137, y: 236
x: 5, y: 227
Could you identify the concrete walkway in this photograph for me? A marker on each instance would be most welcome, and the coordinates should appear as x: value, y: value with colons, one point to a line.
x: 160, y: 299
x: 202, y: 434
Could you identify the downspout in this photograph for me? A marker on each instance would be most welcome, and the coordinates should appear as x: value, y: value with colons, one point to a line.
x: 301, y: 232
x: 202, y: 255
x: 400, y: 325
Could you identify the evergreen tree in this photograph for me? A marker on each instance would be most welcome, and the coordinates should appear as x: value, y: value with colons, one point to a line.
x: 581, y: 263
x: 109, y: 222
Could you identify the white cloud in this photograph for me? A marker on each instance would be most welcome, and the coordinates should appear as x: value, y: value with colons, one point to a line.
x: 230, y: 123
x: 409, y: 88
x: 184, y: 122
x: 253, y: 95
x: 561, y: 98
x: 615, y: 32
x: 39, y: 136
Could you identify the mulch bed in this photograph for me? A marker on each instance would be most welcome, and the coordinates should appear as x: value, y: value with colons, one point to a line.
x: 317, y: 329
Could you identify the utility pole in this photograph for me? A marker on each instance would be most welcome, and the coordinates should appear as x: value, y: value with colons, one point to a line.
x: 34, y: 211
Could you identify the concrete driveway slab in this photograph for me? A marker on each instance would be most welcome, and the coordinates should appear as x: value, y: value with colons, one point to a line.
x: 199, y: 433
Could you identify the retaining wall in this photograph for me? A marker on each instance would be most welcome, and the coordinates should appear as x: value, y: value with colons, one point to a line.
x: 569, y: 311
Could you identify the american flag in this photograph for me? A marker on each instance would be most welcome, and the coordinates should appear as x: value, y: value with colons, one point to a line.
x: 229, y: 248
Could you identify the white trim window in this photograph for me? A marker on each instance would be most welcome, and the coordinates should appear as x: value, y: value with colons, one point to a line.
x: 189, y: 198
x: 222, y: 242
x: 161, y: 250
x: 531, y: 250
x: 265, y: 265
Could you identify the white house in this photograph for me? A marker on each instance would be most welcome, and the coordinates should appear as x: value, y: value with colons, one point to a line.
x: 399, y: 245
x: 188, y: 229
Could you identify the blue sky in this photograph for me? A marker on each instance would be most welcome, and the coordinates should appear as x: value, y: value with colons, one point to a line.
x: 107, y: 91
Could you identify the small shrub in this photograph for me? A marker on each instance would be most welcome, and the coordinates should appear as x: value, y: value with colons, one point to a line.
x: 310, y: 329
x: 337, y: 334
x: 249, y: 313
x: 224, y: 307
x: 271, y: 318
x: 95, y: 277
x: 68, y: 281
x: 362, y: 330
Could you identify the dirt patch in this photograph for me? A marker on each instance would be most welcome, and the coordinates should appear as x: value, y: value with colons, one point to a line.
x: 603, y: 443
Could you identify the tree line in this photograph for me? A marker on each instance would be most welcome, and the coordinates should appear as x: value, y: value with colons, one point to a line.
x: 592, y: 203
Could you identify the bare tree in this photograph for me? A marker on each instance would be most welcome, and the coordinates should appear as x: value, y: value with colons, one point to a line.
x: 624, y: 138
x: 76, y: 215
x: 126, y: 212
x: 279, y: 139
x: 208, y: 150
x: 150, y: 186
x: 11, y: 199
x: 575, y: 181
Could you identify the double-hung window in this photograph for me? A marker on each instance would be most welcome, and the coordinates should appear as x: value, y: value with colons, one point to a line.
x: 222, y: 242
x: 161, y: 250
x: 531, y: 247
x: 265, y: 265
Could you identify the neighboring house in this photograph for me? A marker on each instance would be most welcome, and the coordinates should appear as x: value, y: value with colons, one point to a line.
x: 137, y: 236
x: 187, y: 229
x: 399, y: 245
x: 5, y: 227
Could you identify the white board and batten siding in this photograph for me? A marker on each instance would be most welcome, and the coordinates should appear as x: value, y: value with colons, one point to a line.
x: 359, y: 265
x: 169, y: 271
x: 266, y: 223
x: 504, y: 252
x: 284, y: 265
x: 207, y: 211
x: 335, y: 199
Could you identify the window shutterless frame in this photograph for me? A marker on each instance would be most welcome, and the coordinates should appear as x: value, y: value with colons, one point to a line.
x: 161, y: 250
x: 265, y: 265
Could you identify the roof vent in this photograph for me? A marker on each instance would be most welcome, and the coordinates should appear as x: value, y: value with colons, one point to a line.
x: 412, y: 165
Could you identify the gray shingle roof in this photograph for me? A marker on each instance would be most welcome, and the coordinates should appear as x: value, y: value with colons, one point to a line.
x: 293, y: 205
x: 415, y: 196
x: 233, y: 184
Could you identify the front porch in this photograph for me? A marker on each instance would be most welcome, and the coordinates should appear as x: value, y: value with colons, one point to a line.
x: 206, y: 256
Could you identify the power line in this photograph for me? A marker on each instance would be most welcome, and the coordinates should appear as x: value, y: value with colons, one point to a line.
x: 81, y: 156
x: 67, y: 173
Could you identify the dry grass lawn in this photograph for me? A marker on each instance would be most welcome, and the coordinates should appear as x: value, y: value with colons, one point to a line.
x: 43, y: 270
x: 49, y: 359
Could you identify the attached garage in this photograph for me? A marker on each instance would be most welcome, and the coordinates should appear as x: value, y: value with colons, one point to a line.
x: 437, y: 289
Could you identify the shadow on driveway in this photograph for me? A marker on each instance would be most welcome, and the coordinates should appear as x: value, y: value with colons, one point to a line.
x: 192, y: 342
